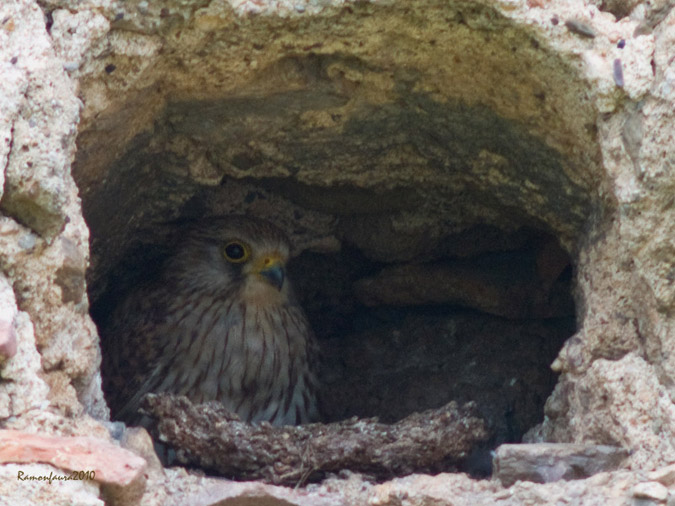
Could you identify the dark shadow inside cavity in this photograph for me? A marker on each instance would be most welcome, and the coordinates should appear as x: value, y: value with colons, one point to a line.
x: 388, y: 353
x: 390, y: 361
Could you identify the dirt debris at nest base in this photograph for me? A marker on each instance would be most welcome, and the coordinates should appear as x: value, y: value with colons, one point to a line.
x: 210, y: 437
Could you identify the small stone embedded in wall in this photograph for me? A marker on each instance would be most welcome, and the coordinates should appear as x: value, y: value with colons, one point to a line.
x: 548, y: 462
x: 8, y: 343
x: 580, y: 28
x: 617, y: 72
x: 650, y: 490
x: 70, y: 277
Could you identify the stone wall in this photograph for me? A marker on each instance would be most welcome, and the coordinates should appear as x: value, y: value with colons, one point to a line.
x: 387, y: 135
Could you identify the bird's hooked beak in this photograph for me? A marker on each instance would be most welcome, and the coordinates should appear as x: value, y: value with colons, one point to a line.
x: 272, y: 271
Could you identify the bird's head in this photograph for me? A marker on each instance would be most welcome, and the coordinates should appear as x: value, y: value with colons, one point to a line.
x: 240, y: 252
x: 257, y: 260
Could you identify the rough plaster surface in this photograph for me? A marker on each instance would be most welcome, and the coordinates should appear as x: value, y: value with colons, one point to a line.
x: 423, y: 118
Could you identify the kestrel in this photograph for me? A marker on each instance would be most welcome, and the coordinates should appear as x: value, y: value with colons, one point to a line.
x: 219, y: 324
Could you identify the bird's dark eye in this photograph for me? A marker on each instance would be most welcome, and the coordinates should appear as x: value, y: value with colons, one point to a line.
x: 236, y: 252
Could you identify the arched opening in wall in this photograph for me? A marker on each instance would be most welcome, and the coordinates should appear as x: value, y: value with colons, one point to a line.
x: 415, y: 298
x: 434, y: 235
